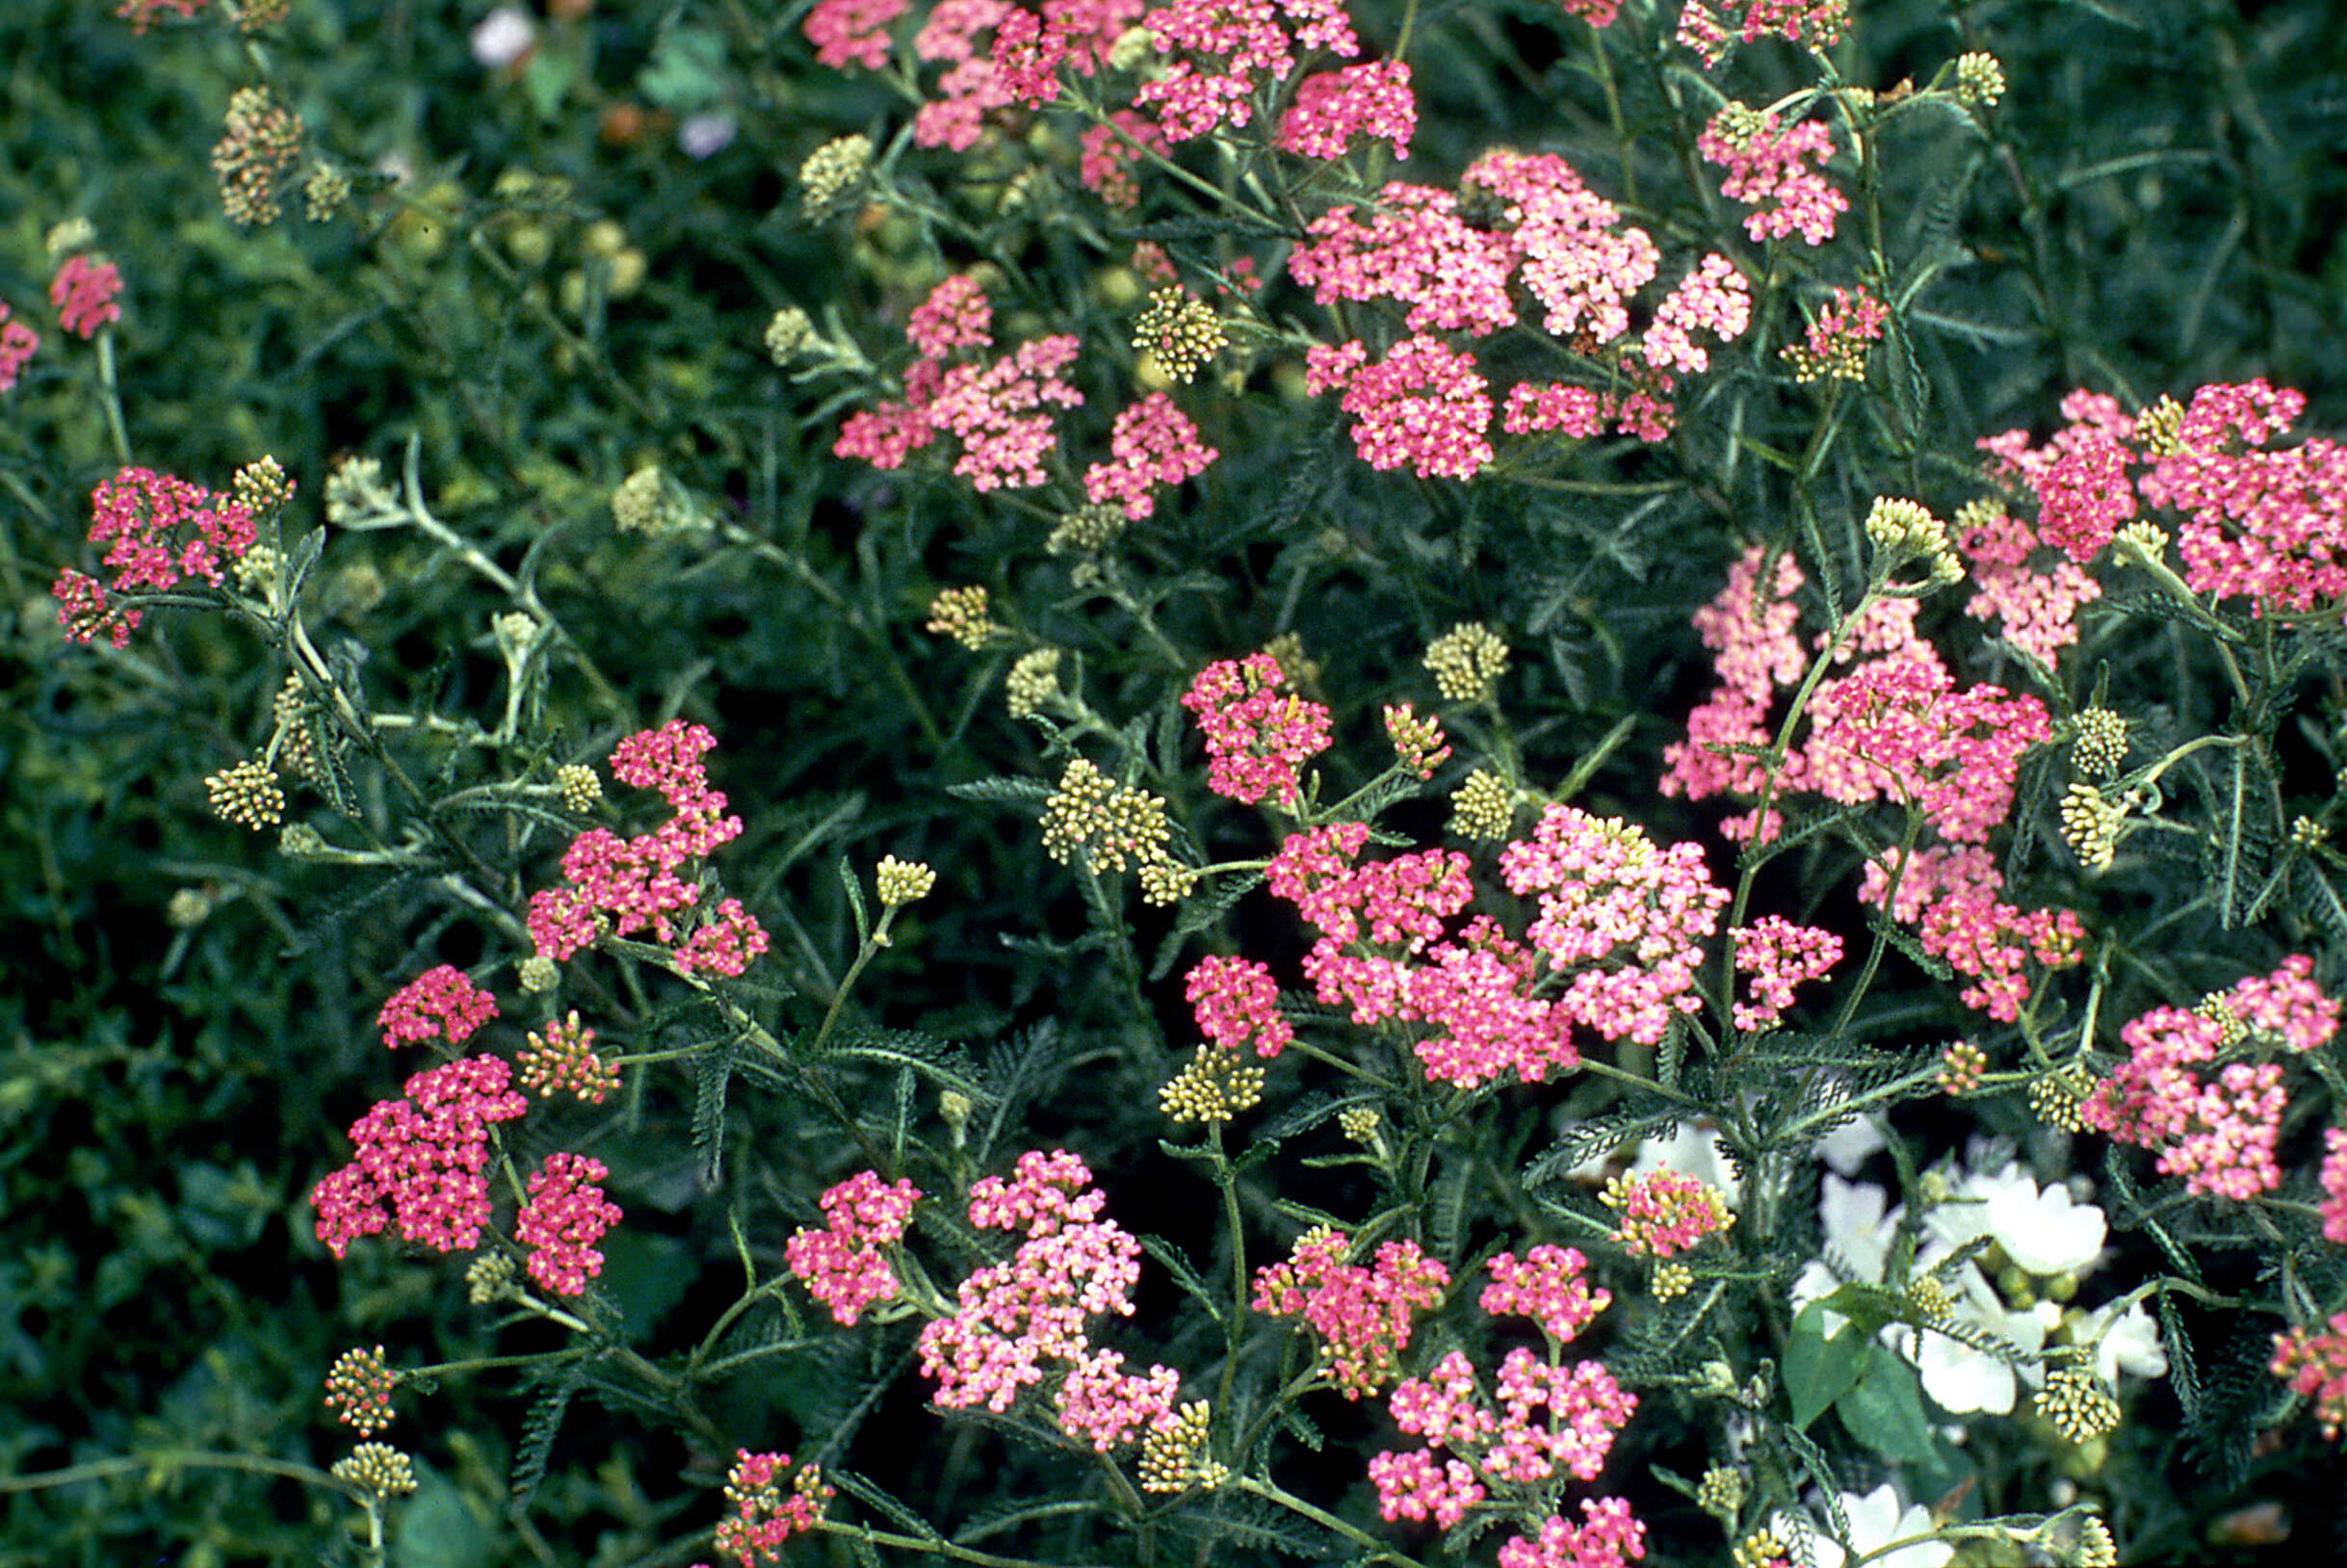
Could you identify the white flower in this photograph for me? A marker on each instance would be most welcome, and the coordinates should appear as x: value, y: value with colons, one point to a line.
x: 505, y: 35
x: 1960, y: 1379
x: 1858, y: 1234
x: 2040, y: 1229
x: 1876, y: 1520
x: 2131, y: 1345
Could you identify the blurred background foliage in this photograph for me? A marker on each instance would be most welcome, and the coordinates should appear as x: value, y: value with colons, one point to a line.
x: 558, y: 294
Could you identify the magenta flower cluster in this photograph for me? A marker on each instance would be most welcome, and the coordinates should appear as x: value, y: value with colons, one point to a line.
x: 625, y: 885
x: 1548, y: 1286
x: 1360, y: 1315
x: 1665, y: 1213
x: 441, y: 1001
x: 565, y: 1215
x: 845, y: 1266
x: 85, y: 293
x: 1547, y: 1419
x: 420, y: 1160
x: 1258, y: 732
x: 1336, y: 107
x: 158, y: 530
x: 1236, y: 1004
x: 766, y: 1514
x: 1951, y: 898
x: 1225, y: 49
x: 18, y: 343
x: 1026, y: 1317
x: 2313, y: 1362
x: 2186, y: 1092
x: 2032, y: 591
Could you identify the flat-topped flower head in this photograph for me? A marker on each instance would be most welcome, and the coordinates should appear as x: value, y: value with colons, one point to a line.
x: 1259, y: 733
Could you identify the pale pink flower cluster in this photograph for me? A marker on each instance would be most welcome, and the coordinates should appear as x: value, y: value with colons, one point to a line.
x: 84, y: 292
x: 1895, y: 727
x: 2314, y: 1364
x: 2036, y: 605
x: 564, y: 1217
x: 1416, y: 251
x: 1665, y: 1213
x: 1950, y: 897
x: 1153, y: 443
x: 852, y: 32
x: 1236, y: 1004
x: 1360, y: 1315
x: 2334, y: 1180
x: 1624, y: 918
x: 1378, y: 956
x: 420, y: 1160
x: 845, y: 1265
x: 2269, y: 525
x: 1423, y: 406
x: 998, y: 409
x: 1546, y: 1285
x: 1578, y: 258
x: 1713, y: 298
x: 1107, y: 161
x: 766, y: 1514
x: 2212, y: 1120
x: 1334, y: 108
x: 1769, y: 170
x: 1019, y: 65
x: 157, y: 530
x: 1258, y: 732
x: 1547, y: 1418
x: 626, y: 886
x: 1021, y: 1318
x: 1778, y: 955
x: 1596, y: 12
x: 441, y: 1001
x: 1228, y: 47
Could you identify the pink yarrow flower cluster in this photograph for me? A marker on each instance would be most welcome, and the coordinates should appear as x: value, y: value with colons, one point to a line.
x: 1236, y: 1004
x: 1708, y: 30
x: 1777, y: 955
x: 1027, y: 1317
x: 1258, y: 732
x: 565, y: 1215
x: 1713, y: 298
x: 442, y: 1001
x: 158, y: 530
x: 998, y: 409
x: 1381, y: 954
x: 1107, y: 161
x: 420, y: 1160
x: 626, y: 886
x: 1360, y: 1315
x: 1424, y: 407
x: 1548, y: 1419
x: 845, y: 1266
x: 1226, y: 50
x: 1665, y: 1213
x: 1624, y: 917
x: 1769, y: 170
x: 2184, y: 1091
x: 848, y: 32
x: 2033, y: 593
x: 1333, y: 109
x: 2313, y: 1362
x: 85, y: 293
x: 1549, y: 1287
x: 1153, y: 443
x: 2333, y: 1181
x: 766, y: 1514
x: 18, y: 343
x: 1950, y: 898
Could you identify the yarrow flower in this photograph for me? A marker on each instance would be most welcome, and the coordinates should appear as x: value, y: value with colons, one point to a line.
x: 85, y: 293
x: 1779, y: 956
x: 848, y: 32
x: 1258, y: 732
x: 17, y: 344
x: 158, y: 530
x: 1360, y: 1315
x: 1768, y: 171
x: 1153, y: 444
x: 561, y: 1056
x: 358, y: 1390
x: 1423, y: 406
x: 1335, y: 107
x: 441, y: 1001
x: 260, y: 146
x: 1546, y: 1285
x: 420, y: 1160
x: 565, y: 1215
x: 1835, y: 345
x: 2313, y: 1362
x: 1236, y: 1004
x: 1665, y: 1213
x: 845, y: 1265
x: 766, y: 1515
